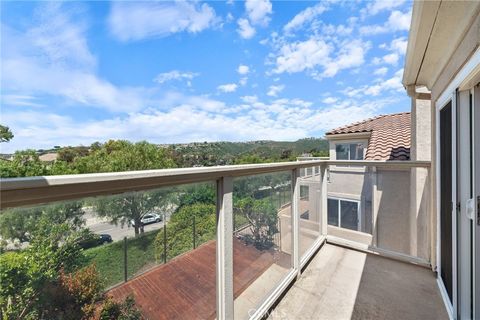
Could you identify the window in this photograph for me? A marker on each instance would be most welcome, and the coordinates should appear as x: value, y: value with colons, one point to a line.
x: 304, y: 190
x: 344, y: 213
x: 349, y: 151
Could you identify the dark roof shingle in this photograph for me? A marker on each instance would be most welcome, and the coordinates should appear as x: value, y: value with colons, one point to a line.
x: 390, y: 136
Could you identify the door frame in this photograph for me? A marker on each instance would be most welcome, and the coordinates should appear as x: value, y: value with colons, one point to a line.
x: 465, y: 75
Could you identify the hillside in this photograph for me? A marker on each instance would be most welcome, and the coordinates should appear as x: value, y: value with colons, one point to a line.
x: 220, y: 153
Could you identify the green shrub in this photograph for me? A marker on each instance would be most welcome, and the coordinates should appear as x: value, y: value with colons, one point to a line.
x: 180, y: 230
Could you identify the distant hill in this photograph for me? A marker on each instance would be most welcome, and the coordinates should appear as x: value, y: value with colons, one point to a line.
x: 221, y: 153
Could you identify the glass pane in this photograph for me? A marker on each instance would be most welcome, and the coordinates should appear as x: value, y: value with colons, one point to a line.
x: 114, y: 240
x: 333, y: 212
x: 356, y: 151
x: 342, y: 151
x: 349, y: 215
x: 309, y: 211
x: 262, y: 239
x: 352, y: 185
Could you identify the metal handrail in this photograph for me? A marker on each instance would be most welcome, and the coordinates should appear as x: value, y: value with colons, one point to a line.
x: 15, y: 192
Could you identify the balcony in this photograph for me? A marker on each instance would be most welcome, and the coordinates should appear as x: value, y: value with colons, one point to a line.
x: 307, y: 239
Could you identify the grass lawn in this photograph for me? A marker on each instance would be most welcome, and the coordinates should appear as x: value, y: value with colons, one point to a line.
x: 109, y: 258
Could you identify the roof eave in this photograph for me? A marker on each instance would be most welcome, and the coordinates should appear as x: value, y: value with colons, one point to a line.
x: 348, y: 136
x: 423, y: 20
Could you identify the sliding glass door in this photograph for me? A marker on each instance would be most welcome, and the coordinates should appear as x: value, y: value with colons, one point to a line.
x: 446, y: 209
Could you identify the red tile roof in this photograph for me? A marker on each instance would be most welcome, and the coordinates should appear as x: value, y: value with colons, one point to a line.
x: 390, y: 136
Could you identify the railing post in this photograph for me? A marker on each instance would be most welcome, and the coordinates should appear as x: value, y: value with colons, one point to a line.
x: 324, y: 199
x: 164, y: 238
x: 375, y: 205
x: 224, y: 256
x: 125, y: 262
x: 296, y: 221
x: 193, y: 229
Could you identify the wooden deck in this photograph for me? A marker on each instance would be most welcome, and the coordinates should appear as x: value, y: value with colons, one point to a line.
x: 184, y: 288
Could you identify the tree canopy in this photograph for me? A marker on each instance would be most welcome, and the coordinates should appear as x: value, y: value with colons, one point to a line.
x: 5, y: 134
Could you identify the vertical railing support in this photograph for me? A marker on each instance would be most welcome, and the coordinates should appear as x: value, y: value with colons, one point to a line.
x: 224, y: 256
x: 375, y: 205
x: 324, y: 200
x: 296, y: 221
x: 164, y: 238
x: 125, y: 261
x: 193, y: 229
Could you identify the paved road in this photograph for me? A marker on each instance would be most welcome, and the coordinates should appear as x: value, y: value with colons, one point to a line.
x: 98, y: 225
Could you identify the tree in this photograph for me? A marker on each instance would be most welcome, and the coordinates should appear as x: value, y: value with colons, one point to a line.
x: 128, y: 208
x: 29, y: 279
x: 120, y: 155
x: 179, y: 237
x: 262, y: 217
x: 5, y: 134
x: 24, y: 164
x: 26, y: 223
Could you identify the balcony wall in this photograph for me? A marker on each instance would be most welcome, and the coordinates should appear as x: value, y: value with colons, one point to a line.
x: 245, y: 277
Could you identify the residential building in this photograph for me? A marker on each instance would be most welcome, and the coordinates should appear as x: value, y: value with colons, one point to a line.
x: 442, y: 75
x: 415, y: 256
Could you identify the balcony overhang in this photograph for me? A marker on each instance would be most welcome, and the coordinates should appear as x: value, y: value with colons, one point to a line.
x: 436, y: 31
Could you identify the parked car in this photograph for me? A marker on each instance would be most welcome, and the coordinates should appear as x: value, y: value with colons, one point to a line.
x: 94, y: 240
x: 149, y: 218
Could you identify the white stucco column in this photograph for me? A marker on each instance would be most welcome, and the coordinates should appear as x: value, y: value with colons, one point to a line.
x: 419, y: 181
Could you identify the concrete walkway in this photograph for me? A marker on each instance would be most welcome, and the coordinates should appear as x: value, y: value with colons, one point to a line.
x: 341, y: 283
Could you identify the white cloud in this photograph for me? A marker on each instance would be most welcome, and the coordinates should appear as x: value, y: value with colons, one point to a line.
x: 329, y: 100
x: 35, y: 66
x: 399, y: 45
x: 351, y: 55
x: 316, y: 56
x: 229, y: 87
x: 274, y: 90
x: 243, y: 81
x: 381, y: 71
x: 60, y: 40
x: 258, y: 11
x: 190, y: 119
x: 19, y: 100
x: 397, y: 21
x: 245, y: 30
x: 391, y: 58
x: 377, y: 6
x: 300, y: 56
x: 243, y: 69
x: 174, y: 75
x: 138, y: 20
x: 304, y: 16
x: 394, y: 84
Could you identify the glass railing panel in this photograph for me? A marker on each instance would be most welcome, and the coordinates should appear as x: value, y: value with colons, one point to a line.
x: 262, y: 240
x: 309, y: 209
x: 349, y: 202
x: 157, y: 246
x: 401, y: 211
x: 382, y: 207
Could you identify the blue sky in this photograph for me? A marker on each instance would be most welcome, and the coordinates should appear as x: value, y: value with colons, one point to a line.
x: 169, y: 72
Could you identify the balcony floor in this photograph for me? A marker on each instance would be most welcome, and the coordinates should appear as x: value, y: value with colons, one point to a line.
x: 340, y: 283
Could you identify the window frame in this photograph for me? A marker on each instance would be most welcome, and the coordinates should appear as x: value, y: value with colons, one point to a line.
x: 339, y: 214
x: 349, y: 145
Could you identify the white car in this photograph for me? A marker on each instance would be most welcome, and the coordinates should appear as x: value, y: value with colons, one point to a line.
x: 149, y: 218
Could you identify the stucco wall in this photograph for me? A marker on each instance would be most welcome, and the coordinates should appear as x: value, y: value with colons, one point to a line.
x: 393, y: 218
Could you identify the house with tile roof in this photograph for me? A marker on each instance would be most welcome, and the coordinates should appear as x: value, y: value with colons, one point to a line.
x: 385, y: 137
x: 356, y: 194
